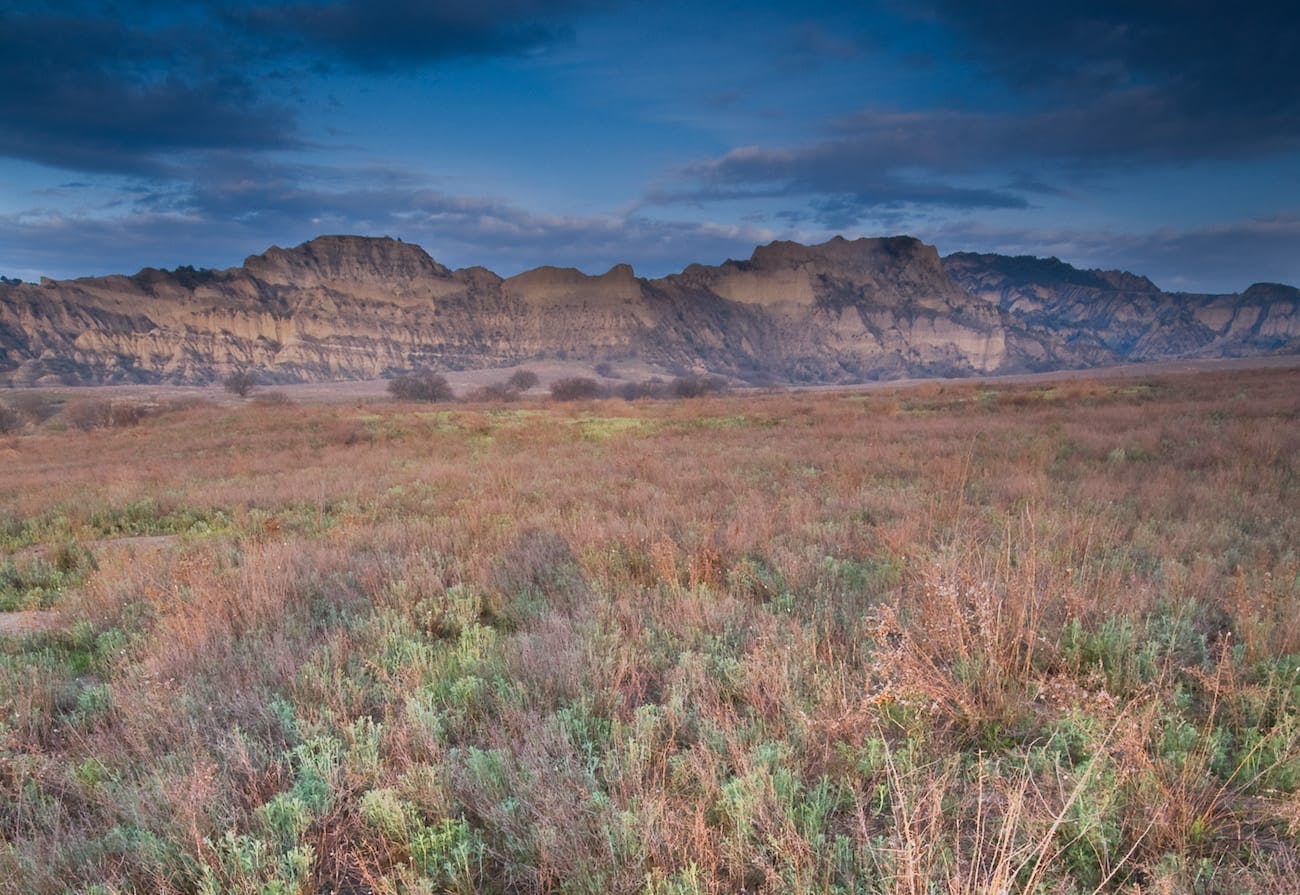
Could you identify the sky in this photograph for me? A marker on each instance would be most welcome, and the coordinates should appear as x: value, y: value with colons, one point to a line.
x: 1157, y: 137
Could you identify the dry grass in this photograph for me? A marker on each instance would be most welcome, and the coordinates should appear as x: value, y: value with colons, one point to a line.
x: 1041, y: 637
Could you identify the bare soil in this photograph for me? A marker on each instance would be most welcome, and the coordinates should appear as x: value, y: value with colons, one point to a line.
x: 16, y: 624
x: 137, y: 543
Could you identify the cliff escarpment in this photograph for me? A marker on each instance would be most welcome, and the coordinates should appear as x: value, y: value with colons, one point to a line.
x: 349, y: 307
x: 1063, y: 317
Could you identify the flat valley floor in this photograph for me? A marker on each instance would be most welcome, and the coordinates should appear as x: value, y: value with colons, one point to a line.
x: 1033, y: 636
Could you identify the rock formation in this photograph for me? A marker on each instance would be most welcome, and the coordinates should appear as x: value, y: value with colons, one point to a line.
x: 346, y: 307
x: 1061, y: 317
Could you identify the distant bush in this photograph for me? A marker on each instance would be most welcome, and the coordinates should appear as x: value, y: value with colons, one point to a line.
x: 189, y: 276
x: 497, y: 391
x: 422, y: 386
x: 606, y: 369
x: 523, y: 380
x: 36, y: 406
x: 95, y: 413
x: 10, y: 420
x: 693, y: 386
x: 127, y: 413
x: 697, y: 386
x: 89, y: 413
x: 576, y: 388
x: 240, y: 382
x: 653, y: 388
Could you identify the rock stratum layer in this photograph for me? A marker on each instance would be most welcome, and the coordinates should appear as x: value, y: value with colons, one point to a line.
x: 348, y: 307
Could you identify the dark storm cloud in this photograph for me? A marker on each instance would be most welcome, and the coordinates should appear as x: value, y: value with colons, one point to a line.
x: 1088, y: 89
x: 91, y: 93
x: 872, y: 167
x: 1215, y: 57
x: 375, y: 35
x: 882, y: 157
x: 101, y: 88
x: 1217, y: 79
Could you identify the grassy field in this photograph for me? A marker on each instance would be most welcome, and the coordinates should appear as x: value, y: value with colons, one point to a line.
x: 1039, y: 638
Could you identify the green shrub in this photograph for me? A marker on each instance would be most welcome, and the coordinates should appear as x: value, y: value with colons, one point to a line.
x: 449, y: 854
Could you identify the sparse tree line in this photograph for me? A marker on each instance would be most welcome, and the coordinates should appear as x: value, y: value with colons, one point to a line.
x: 36, y: 408
x: 39, y: 408
x: 429, y: 386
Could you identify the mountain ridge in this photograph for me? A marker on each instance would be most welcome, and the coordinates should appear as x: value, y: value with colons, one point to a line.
x: 357, y: 307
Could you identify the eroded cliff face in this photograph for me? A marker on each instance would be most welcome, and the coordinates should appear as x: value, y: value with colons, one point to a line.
x: 1059, y: 316
x: 346, y: 307
x: 857, y: 309
x: 354, y: 307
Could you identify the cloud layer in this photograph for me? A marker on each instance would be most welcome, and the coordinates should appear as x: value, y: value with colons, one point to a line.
x: 90, y: 93
x: 1223, y: 258
x: 1088, y: 89
x: 238, y: 205
x: 201, y: 131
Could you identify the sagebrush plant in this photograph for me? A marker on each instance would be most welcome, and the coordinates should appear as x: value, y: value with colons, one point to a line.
x: 948, y: 638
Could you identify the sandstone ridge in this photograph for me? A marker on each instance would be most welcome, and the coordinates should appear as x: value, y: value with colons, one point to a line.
x: 351, y: 307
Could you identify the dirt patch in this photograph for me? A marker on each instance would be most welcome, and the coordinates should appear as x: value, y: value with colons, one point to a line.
x: 135, y: 544
x: 16, y: 624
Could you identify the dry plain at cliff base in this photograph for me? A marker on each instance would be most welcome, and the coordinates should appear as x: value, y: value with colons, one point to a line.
x: 951, y: 637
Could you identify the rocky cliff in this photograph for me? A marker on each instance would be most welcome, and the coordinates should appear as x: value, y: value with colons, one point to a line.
x: 1059, y: 316
x: 342, y: 307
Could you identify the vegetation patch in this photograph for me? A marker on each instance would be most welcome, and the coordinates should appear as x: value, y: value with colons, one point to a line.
x: 602, y: 428
x: 969, y: 639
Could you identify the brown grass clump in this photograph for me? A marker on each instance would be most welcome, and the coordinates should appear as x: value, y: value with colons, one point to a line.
x: 961, y: 639
x: 93, y: 413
